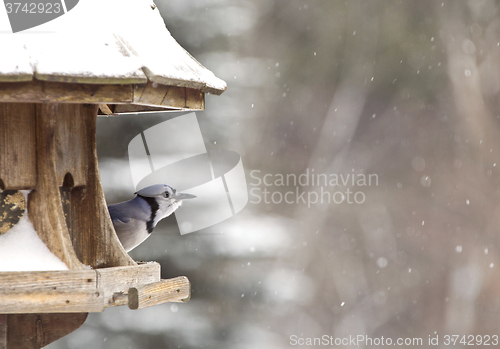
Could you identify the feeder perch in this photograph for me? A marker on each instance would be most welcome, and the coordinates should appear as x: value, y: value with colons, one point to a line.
x: 52, y: 87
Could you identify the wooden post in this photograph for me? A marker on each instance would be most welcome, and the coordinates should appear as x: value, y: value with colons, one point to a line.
x: 43, y: 147
x: 3, y: 331
x: 173, y: 290
x: 34, y: 331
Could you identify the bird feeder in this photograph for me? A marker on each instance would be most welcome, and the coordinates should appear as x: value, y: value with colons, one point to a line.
x: 52, y: 87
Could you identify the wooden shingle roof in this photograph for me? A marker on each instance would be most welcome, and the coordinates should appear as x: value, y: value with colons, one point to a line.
x: 130, y: 46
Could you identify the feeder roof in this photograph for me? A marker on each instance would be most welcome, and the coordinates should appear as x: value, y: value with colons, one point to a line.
x: 107, y: 43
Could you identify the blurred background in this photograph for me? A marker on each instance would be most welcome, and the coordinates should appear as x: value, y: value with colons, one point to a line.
x: 404, y: 90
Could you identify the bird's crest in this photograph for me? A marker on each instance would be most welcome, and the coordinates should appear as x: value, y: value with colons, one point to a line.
x: 153, y: 190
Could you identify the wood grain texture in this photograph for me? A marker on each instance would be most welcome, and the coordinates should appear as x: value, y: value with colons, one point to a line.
x: 195, y: 99
x: 17, y: 146
x: 83, y: 280
x: 57, y: 92
x: 50, y: 301
x: 92, y: 233
x: 44, y: 203
x: 34, y: 331
x: 71, y: 142
x: 152, y: 94
x: 88, y: 290
x: 120, y: 279
x: 171, y: 290
x: 120, y: 109
x: 176, y: 97
x: 105, y: 109
x: 3, y: 331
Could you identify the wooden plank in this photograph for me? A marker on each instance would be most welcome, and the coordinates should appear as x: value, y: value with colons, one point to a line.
x: 44, y: 203
x: 171, y: 290
x: 152, y: 94
x: 119, y: 109
x: 3, y: 331
x: 120, y: 279
x: 50, y: 301
x: 175, y: 97
x: 34, y: 331
x: 105, y: 109
x: 92, y: 233
x: 119, y: 298
x: 17, y: 146
x: 71, y: 142
x: 59, y: 92
x: 195, y: 99
x: 83, y: 280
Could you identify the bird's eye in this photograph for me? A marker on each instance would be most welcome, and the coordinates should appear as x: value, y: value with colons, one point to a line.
x: 166, y: 194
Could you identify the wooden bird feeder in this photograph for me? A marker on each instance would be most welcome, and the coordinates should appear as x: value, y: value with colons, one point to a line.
x: 52, y: 87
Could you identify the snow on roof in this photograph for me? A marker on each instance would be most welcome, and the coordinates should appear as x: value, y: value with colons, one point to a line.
x: 104, y: 42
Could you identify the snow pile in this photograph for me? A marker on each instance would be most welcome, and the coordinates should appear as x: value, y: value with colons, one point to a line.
x: 21, y: 249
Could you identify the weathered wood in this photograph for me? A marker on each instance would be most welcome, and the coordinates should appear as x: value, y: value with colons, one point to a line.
x: 50, y: 301
x: 56, y: 92
x: 119, y: 298
x: 105, y: 109
x: 44, y: 203
x: 195, y: 99
x: 83, y: 280
x: 151, y: 94
x: 34, y: 331
x: 92, y: 232
x: 17, y: 146
x: 48, y: 291
x: 171, y: 290
x: 175, y: 97
x: 120, y: 279
x: 119, y: 109
x: 71, y: 142
x: 3, y: 331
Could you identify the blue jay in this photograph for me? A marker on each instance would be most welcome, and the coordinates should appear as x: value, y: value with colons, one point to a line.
x: 135, y: 219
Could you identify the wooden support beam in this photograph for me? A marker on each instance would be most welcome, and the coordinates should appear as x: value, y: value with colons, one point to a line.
x: 17, y: 146
x: 34, y: 331
x: 176, y: 97
x: 44, y: 203
x: 150, y: 94
x: 172, y: 290
x: 36, y: 91
x: 51, y: 301
x: 25, y: 281
x: 138, y: 286
x: 113, y: 281
x: 92, y: 232
x: 3, y: 331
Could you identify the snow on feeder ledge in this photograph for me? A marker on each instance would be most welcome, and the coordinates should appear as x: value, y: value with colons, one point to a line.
x: 52, y: 87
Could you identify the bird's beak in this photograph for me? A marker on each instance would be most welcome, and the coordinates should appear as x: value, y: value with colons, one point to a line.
x: 183, y: 196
